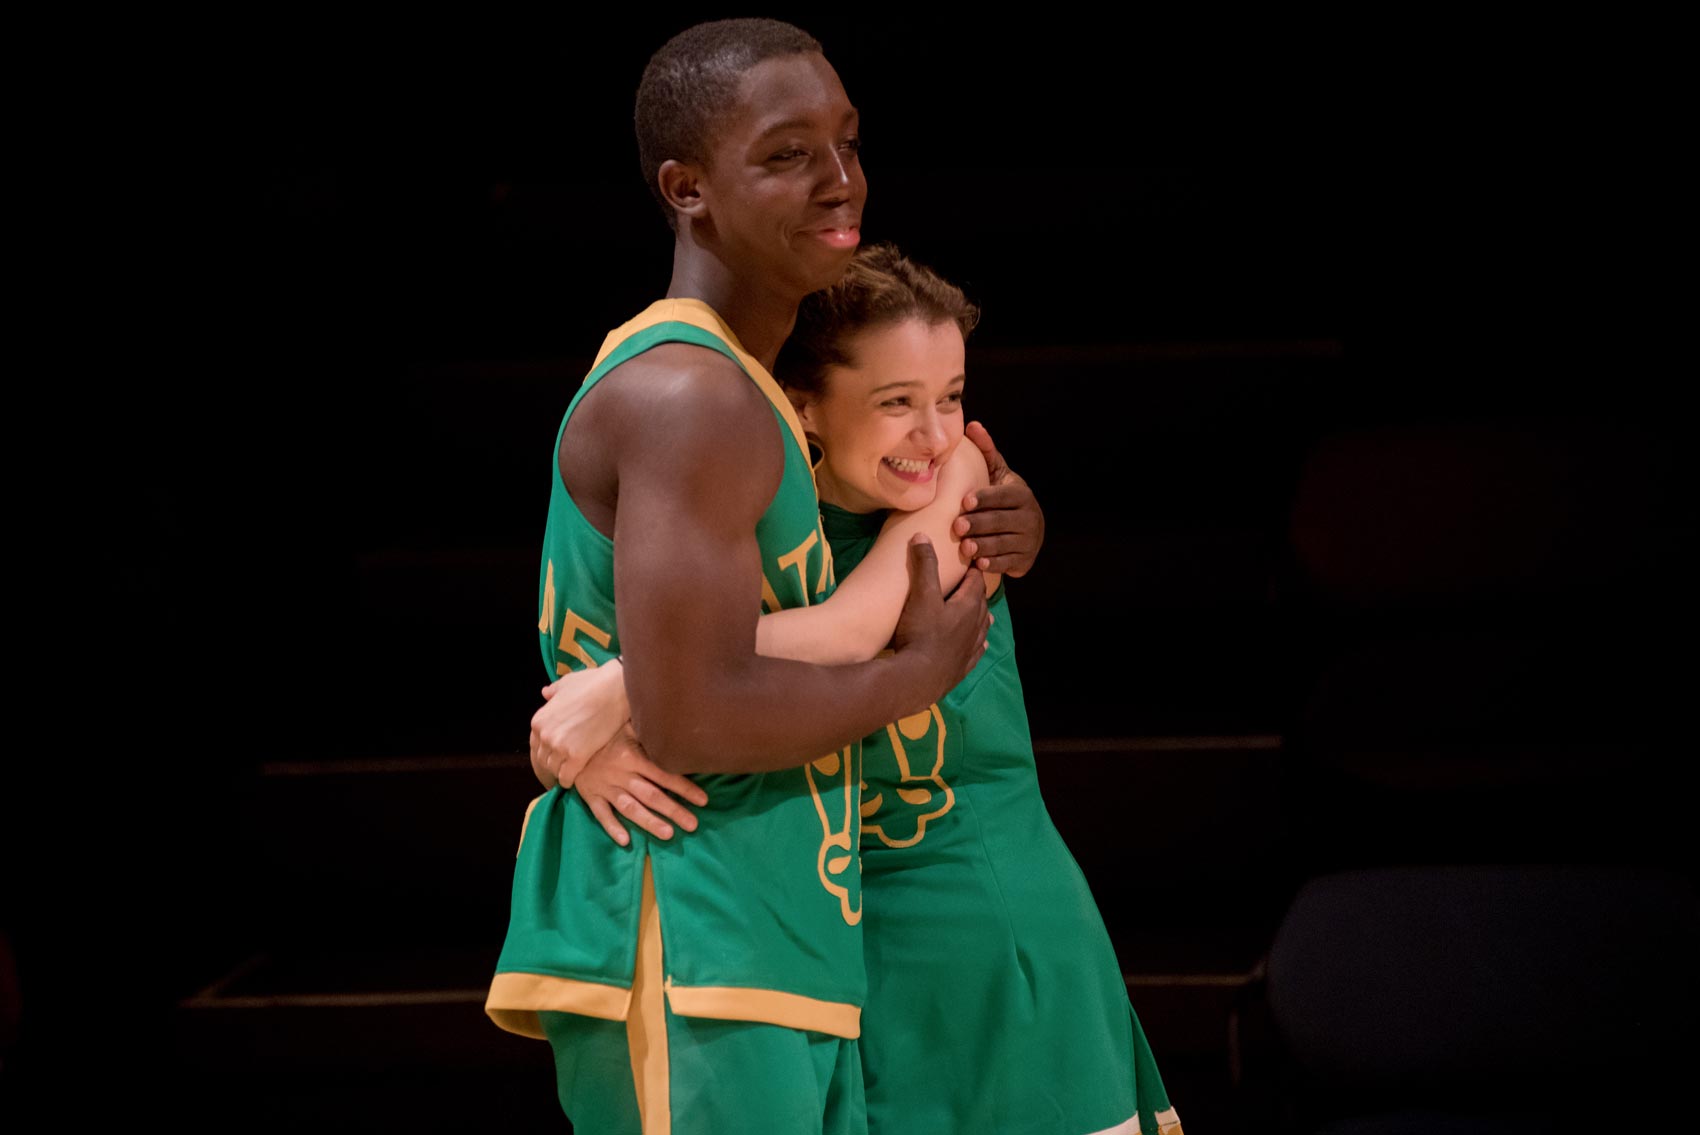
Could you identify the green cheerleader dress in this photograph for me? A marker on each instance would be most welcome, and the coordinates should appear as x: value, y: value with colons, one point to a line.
x: 995, y: 1002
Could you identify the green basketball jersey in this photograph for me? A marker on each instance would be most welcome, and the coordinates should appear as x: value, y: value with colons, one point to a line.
x: 760, y: 906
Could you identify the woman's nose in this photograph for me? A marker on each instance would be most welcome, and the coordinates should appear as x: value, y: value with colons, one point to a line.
x: 929, y: 430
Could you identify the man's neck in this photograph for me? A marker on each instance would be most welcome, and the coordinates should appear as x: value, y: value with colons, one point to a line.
x: 760, y: 317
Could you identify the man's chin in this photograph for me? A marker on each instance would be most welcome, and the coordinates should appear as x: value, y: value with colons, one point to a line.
x: 828, y: 270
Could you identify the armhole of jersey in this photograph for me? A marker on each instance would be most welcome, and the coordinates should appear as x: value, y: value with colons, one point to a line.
x: 630, y: 348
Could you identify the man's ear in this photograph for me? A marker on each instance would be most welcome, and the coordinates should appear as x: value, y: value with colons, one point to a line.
x: 681, y: 185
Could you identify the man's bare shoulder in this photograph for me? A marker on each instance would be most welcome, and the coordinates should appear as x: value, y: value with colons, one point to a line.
x: 686, y: 387
x: 684, y: 415
x: 668, y: 425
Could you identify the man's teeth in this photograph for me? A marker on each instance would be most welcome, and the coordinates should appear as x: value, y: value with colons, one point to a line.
x: 908, y: 464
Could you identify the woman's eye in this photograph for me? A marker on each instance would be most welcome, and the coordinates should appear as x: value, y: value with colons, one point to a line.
x: 953, y: 399
x: 894, y: 403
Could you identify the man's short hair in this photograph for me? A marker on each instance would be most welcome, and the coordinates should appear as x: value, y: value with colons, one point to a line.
x: 692, y: 82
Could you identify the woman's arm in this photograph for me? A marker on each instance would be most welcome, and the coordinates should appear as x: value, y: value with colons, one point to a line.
x: 581, y: 712
x: 582, y: 739
x: 856, y: 621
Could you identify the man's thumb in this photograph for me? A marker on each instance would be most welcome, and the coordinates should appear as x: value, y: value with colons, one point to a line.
x: 923, y: 567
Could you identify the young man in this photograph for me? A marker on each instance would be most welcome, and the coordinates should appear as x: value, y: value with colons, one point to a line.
x: 715, y: 987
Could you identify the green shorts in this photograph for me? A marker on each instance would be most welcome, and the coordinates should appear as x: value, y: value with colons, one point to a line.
x: 721, y: 1076
x: 657, y: 1073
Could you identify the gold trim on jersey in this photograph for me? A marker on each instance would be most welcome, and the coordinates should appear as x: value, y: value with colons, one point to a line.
x: 516, y: 999
x: 1129, y: 1126
x: 766, y: 1006
x: 698, y: 314
x: 525, y: 823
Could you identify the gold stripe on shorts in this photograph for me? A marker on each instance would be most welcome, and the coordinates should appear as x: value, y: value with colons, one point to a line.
x: 646, y: 1028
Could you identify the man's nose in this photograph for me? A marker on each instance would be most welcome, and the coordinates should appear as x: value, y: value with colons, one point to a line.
x: 836, y: 175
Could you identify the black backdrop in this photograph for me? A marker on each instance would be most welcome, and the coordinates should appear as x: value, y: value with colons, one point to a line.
x: 408, y: 241
x: 365, y: 264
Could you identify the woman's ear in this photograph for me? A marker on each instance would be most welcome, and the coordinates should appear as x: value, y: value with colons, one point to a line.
x: 804, y: 405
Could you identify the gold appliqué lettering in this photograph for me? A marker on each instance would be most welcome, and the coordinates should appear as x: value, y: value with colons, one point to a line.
x: 571, y: 626
x: 828, y: 574
x: 798, y: 558
x: 548, y: 616
x: 832, y: 781
x: 925, y: 792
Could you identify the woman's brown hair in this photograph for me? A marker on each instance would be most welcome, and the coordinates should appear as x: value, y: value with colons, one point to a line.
x: 882, y: 287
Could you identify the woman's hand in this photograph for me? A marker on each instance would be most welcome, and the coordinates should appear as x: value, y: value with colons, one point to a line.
x: 581, y: 713
x: 619, y: 778
x: 1002, y: 526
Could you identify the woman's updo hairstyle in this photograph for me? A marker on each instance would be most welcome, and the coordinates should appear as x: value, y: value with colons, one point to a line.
x: 882, y: 287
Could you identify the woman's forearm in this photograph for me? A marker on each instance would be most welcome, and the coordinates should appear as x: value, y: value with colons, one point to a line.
x: 856, y: 621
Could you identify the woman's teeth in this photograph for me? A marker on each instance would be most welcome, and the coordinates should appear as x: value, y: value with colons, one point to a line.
x: 909, y: 465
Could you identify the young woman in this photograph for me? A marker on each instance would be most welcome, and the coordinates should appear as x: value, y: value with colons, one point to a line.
x: 995, y: 1001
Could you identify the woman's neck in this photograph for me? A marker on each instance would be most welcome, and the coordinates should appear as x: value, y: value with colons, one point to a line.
x: 829, y: 491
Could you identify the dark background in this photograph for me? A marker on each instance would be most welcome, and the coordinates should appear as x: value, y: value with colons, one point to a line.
x: 1322, y: 347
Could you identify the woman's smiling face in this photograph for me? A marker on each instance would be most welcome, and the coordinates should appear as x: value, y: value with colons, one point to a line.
x: 888, y: 422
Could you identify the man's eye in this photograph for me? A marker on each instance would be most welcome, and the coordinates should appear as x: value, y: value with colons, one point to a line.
x: 853, y: 144
x: 786, y: 155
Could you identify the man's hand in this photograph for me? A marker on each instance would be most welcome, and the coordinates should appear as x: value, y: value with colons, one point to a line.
x: 950, y: 634
x: 1002, y: 526
x: 581, y: 713
x: 619, y: 778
